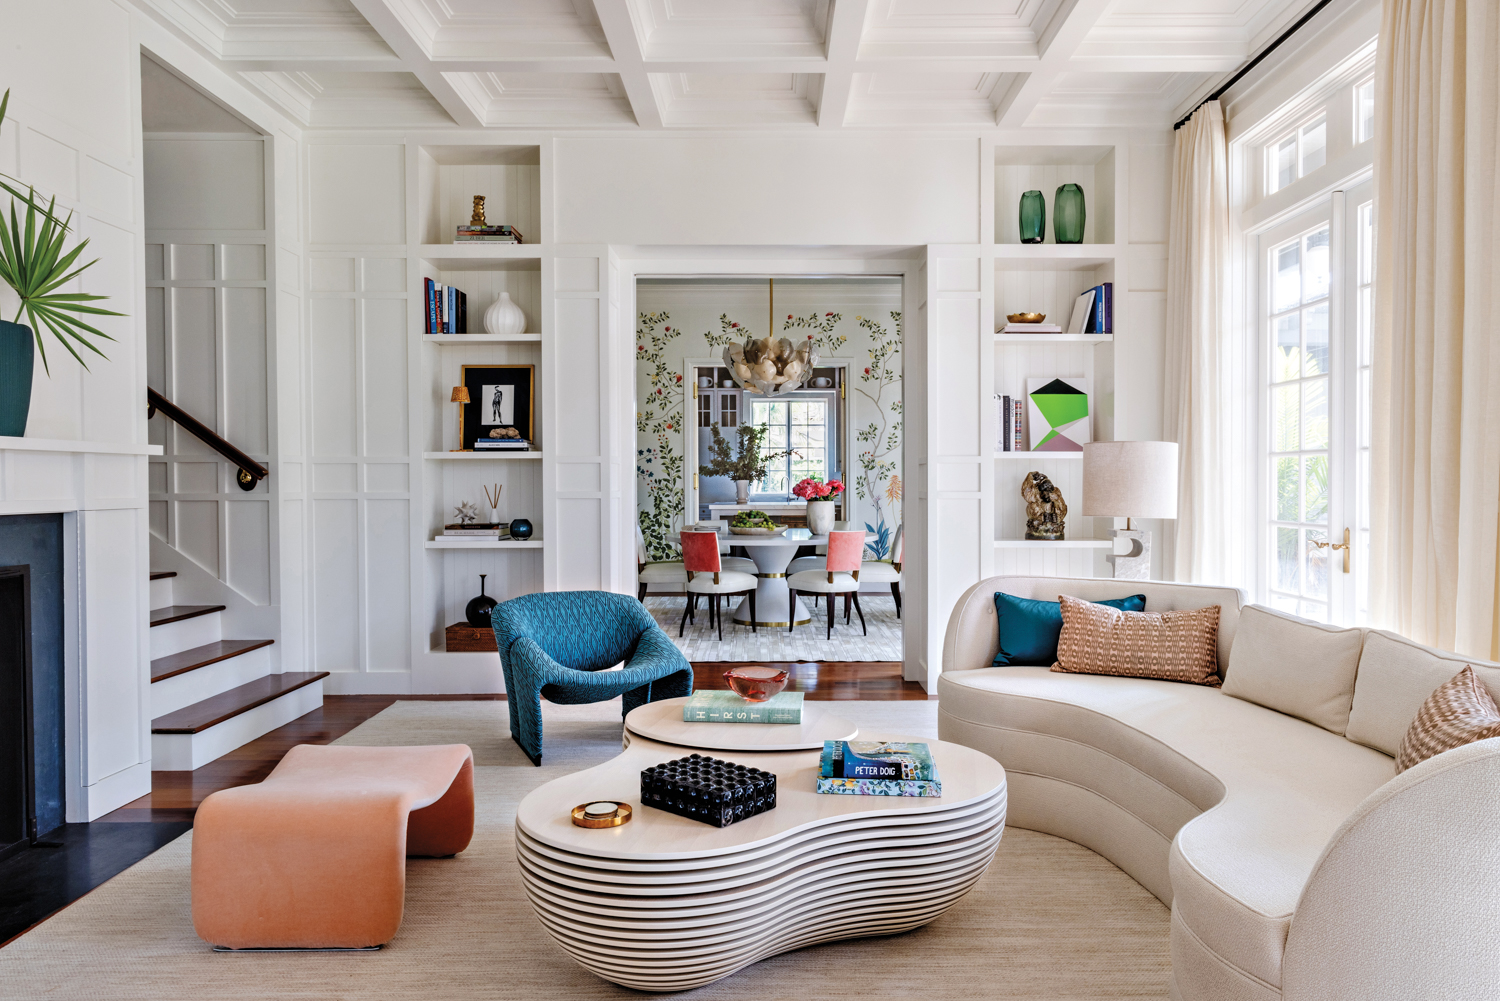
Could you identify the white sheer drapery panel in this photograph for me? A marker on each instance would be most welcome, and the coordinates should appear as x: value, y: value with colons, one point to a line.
x: 1197, y: 395
x: 1435, y: 488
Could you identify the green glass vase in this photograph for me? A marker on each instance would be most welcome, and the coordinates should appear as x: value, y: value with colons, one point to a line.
x: 1068, y: 214
x: 1033, y: 217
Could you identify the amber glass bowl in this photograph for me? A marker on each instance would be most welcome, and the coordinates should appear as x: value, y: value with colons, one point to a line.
x: 755, y: 684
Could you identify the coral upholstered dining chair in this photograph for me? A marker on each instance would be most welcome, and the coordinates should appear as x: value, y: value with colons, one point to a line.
x: 706, y: 575
x: 840, y: 575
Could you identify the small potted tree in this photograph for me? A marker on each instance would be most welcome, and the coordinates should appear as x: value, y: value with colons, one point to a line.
x: 745, y: 466
x: 819, y: 496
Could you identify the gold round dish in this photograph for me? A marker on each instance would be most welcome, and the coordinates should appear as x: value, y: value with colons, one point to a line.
x: 621, y: 815
x: 1026, y: 317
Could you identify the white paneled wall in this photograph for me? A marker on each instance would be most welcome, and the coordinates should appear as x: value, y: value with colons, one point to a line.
x: 208, y: 314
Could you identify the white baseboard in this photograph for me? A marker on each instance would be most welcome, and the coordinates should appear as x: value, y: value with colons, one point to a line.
x: 111, y: 793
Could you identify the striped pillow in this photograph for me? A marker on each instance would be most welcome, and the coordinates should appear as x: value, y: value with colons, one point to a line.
x: 1170, y: 646
x: 1460, y: 711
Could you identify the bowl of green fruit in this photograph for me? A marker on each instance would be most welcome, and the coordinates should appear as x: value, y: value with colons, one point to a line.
x: 754, y: 523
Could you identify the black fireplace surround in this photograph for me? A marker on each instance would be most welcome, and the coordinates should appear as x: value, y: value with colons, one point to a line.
x: 31, y: 678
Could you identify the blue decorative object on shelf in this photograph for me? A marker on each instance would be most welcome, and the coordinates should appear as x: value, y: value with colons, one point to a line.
x: 561, y: 642
x: 709, y: 790
x: 520, y: 528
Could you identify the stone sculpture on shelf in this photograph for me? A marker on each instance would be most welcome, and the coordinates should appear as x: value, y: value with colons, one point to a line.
x: 466, y: 513
x: 1046, y: 511
x: 771, y: 365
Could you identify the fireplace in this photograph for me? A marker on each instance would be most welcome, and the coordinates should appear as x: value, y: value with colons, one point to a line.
x: 31, y: 678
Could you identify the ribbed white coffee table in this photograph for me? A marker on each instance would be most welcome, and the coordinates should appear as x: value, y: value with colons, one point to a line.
x: 664, y: 903
x: 662, y: 721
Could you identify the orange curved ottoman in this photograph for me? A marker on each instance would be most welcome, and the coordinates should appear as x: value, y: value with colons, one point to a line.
x: 314, y: 857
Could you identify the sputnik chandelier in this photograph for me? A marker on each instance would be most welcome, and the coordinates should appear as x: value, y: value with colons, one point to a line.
x: 771, y: 365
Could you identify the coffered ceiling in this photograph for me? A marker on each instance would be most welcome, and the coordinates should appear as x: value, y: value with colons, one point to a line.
x: 700, y: 64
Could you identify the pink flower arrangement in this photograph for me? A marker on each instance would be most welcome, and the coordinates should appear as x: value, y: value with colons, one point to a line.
x: 810, y: 489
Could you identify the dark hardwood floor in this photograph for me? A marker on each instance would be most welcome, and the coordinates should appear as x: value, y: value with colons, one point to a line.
x: 872, y: 680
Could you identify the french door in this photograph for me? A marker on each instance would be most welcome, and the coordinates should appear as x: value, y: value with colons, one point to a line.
x: 1315, y: 337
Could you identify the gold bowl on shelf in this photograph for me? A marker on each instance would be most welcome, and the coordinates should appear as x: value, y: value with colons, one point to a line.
x: 1026, y: 317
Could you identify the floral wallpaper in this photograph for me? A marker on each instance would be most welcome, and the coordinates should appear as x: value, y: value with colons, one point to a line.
x: 873, y: 405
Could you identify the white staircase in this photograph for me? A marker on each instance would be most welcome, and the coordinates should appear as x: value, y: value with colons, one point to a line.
x: 210, y: 695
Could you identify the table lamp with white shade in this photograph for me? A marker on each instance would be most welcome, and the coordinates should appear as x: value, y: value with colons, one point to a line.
x: 1130, y: 479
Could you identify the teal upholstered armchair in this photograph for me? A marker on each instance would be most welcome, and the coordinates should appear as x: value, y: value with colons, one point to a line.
x: 559, y: 643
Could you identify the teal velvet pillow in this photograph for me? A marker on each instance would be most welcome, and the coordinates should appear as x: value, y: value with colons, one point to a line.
x: 1029, y: 629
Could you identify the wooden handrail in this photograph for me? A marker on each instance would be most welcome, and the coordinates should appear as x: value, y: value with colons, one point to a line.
x: 251, y: 472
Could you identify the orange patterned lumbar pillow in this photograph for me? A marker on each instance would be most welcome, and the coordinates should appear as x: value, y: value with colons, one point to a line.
x: 1460, y: 711
x: 1171, y: 646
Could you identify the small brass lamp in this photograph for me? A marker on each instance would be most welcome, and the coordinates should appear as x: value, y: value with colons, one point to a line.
x: 460, y: 396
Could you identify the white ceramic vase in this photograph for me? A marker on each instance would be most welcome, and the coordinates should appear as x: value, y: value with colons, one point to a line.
x: 820, y: 516
x: 742, y: 491
x: 504, y: 317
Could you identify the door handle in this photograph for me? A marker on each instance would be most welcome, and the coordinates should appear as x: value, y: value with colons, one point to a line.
x: 1337, y: 545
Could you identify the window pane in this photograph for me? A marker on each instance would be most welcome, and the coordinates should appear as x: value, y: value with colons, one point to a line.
x: 1315, y: 332
x: 1315, y: 583
x: 1284, y: 604
x: 1365, y: 333
x: 1288, y: 288
x: 705, y: 410
x: 1285, y: 402
x: 1288, y: 565
x: 1363, y: 439
x: 1315, y: 610
x: 1315, y: 488
x: 1314, y: 145
x: 729, y: 411
x: 1288, y: 499
x: 1366, y: 243
x: 1284, y: 163
x: 1286, y: 363
x: 1315, y: 414
x: 1315, y: 266
x: 1364, y: 111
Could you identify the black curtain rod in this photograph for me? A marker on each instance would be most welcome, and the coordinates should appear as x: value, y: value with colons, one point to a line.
x: 1288, y: 33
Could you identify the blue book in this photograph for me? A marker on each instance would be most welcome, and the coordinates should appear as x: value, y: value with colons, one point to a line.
x: 886, y: 760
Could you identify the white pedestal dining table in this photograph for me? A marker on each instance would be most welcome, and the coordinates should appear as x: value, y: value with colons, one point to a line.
x: 771, y: 555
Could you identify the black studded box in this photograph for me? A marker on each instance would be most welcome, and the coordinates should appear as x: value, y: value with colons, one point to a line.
x: 706, y: 789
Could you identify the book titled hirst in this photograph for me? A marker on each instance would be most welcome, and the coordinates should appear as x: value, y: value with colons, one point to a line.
x: 727, y: 707
x: 877, y: 768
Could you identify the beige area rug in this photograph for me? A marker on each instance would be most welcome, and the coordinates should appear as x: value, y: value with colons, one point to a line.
x: 805, y: 643
x: 1050, y: 920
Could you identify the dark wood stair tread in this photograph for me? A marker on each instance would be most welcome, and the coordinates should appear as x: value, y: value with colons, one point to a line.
x: 226, y: 705
x: 176, y: 613
x: 202, y: 656
x: 162, y: 574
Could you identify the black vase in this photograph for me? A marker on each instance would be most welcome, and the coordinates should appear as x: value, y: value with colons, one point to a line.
x: 520, y: 529
x: 479, y: 608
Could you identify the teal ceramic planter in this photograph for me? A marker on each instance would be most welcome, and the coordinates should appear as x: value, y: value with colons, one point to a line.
x: 17, y: 357
x: 1068, y: 214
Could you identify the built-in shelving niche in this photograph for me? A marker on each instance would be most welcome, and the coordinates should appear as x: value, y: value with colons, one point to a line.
x: 1044, y: 168
x: 447, y: 178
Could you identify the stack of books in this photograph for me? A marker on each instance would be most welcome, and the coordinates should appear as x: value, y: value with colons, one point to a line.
x: 1008, y: 411
x: 487, y: 234
x: 501, y: 445
x: 447, y: 309
x: 877, y: 768
x: 1031, y: 328
x: 1094, y: 311
x: 475, y: 530
x: 727, y: 707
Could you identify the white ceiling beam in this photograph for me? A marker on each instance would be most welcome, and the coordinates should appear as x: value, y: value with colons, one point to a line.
x: 629, y: 61
x: 845, y: 28
x: 415, y: 60
x: 1056, y: 44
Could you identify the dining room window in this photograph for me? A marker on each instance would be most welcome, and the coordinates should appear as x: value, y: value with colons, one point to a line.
x: 801, y: 426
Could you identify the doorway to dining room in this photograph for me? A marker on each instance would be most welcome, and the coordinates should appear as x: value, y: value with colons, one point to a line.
x: 701, y: 391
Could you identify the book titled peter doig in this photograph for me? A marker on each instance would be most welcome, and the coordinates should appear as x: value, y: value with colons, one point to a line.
x: 876, y: 759
x: 727, y: 707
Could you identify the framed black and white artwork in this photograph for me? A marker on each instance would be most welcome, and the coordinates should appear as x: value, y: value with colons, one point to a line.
x: 500, y: 396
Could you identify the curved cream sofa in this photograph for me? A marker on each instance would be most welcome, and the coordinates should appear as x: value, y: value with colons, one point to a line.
x: 1294, y: 864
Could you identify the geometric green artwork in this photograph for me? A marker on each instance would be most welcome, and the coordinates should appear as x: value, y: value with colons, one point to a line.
x: 1058, y: 414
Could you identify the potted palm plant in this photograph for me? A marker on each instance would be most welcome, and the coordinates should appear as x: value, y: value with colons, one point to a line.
x: 747, y: 465
x: 36, y: 264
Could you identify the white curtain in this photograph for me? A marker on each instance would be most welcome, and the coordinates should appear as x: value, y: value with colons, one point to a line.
x: 1436, y: 396
x: 1197, y: 396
